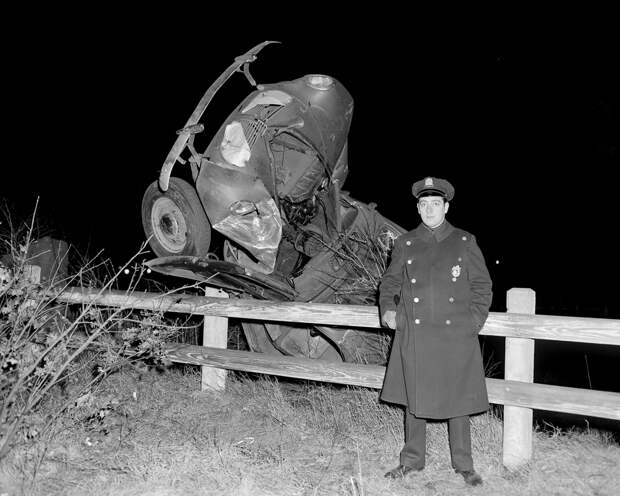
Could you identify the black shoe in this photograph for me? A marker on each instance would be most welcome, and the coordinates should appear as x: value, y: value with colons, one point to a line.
x: 401, y: 471
x: 471, y: 477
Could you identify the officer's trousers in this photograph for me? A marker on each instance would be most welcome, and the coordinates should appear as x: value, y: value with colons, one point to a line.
x: 413, y: 453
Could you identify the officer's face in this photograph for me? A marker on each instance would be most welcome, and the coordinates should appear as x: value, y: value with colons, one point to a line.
x: 432, y: 210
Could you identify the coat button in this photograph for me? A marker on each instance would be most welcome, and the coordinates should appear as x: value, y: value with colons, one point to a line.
x: 417, y: 321
x: 408, y: 243
x: 454, y: 279
x: 448, y: 322
x: 464, y: 238
x: 413, y: 281
x: 409, y: 261
x: 416, y: 299
x: 451, y: 299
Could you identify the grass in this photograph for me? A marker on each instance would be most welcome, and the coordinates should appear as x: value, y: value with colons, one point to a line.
x: 137, y: 432
x: 160, y: 435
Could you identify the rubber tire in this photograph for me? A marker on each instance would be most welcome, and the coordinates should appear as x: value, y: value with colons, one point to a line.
x: 195, y: 234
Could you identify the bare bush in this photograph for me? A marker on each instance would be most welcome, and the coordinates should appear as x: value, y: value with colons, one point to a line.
x: 47, y: 348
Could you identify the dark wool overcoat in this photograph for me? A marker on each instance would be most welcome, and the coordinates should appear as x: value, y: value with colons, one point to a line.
x: 439, y: 286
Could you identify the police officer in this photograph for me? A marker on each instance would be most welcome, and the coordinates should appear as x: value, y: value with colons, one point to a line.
x: 436, y: 294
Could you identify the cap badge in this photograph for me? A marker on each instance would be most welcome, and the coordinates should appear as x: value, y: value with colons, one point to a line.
x: 429, y: 182
x: 456, y: 271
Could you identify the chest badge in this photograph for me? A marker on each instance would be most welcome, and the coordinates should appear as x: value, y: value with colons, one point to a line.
x: 456, y: 271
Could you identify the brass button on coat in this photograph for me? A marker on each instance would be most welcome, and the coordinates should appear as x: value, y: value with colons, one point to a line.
x: 417, y: 321
x: 413, y: 281
x: 409, y: 261
x: 448, y: 322
x: 451, y: 300
x: 416, y: 299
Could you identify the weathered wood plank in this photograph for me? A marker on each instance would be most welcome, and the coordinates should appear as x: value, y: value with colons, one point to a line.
x: 283, y: 366
x: 316, y: 313
x: 537, y: 396
x: 554, y: 328
x: 518, y: 366
x: 215, y: 335
x: 555, y: 398
x: 557, y: 328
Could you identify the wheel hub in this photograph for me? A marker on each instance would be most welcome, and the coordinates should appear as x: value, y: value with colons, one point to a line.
x: 169, y: 226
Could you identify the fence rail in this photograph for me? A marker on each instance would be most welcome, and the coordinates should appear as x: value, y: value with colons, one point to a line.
x: 520, y: 326
x: 501, y: 392
x: 517, y: 325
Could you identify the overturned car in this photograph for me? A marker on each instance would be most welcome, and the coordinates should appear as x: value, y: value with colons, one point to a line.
x: 270, y: 183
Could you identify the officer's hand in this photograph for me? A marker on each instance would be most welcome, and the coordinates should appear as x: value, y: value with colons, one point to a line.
x: 389, y: 319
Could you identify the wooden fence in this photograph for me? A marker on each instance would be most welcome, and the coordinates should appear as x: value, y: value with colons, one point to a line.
x: 519, y: 326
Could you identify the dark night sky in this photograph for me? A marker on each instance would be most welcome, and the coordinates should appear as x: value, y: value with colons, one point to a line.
x: 527, y: 131
x: 525, y: 125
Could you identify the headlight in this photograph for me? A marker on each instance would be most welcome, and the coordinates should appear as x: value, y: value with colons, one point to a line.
x: 319, y: 82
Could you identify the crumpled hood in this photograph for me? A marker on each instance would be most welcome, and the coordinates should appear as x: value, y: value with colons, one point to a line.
x: 240, y: 207
x: 280, y: 144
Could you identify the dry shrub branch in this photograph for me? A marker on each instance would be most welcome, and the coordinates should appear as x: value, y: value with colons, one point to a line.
x: 52, y: 355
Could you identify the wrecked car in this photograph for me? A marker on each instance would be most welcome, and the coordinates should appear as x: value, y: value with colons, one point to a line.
x: 270, y: 184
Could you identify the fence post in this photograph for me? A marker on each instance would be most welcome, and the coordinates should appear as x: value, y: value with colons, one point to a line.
x: 519, y: 366
x: 215, y: 335
x: 32, y: 273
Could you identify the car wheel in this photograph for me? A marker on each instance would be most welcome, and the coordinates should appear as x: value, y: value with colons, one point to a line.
x: 174, y: 221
